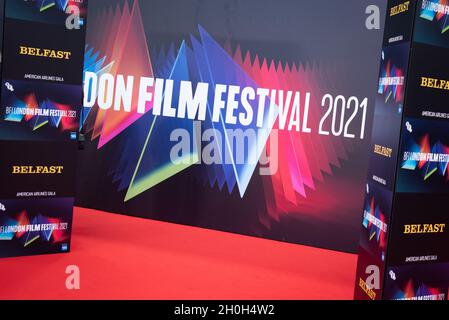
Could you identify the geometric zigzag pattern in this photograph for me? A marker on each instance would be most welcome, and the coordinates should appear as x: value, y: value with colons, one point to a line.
x: 441, y: 18
x: 142, y: 160
x: 428, y: 168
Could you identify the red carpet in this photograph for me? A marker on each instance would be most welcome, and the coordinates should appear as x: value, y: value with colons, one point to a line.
x: 128, y: 258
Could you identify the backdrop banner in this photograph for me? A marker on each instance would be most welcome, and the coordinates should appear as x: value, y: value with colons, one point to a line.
x: 251, y: 117
x: 41, y: 99
x: 403, y: 252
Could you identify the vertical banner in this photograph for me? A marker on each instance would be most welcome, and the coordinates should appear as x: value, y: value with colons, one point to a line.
x: 41, y: 99
x: 403, y: 248
x: 385, y: 138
